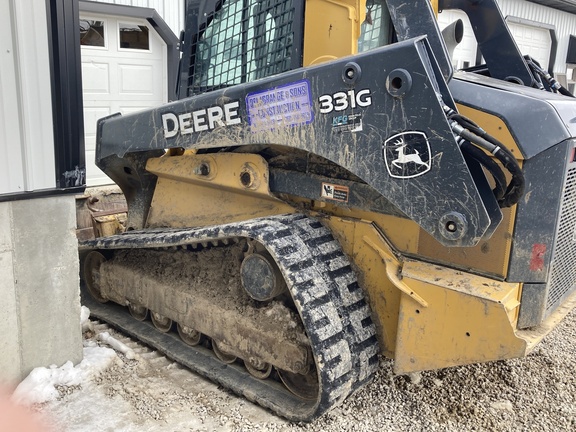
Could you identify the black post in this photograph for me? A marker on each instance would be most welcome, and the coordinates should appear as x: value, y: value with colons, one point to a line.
x: 67, y: 104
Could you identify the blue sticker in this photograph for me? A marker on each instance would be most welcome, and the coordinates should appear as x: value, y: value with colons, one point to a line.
x: 287, y: 105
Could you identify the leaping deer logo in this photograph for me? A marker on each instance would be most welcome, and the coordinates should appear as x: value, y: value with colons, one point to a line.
x: 407, y: 154
x: 404, y: 158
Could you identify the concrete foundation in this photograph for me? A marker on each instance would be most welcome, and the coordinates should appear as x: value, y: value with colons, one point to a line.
x: 39, y: 286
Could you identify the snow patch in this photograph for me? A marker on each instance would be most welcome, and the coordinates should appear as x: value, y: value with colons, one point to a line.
x: 415, y: 377
x: 40, y: 385
x: 504, y: 404
x: 117, y: 345
x: 85, y: 320
x: 84, y: 315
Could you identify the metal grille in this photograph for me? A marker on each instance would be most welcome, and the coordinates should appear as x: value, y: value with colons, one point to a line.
x: 563, y: 269
x: 243, y: 41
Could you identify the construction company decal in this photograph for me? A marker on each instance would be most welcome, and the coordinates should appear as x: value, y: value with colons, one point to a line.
x: 283, y: 106
x: 407, y: 154
x: 347, y: 123
x: 341, y: 101
x: 335, y: 192
x: 200, y: 120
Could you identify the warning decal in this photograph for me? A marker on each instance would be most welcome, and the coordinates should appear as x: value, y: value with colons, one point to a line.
x: 335, y: 192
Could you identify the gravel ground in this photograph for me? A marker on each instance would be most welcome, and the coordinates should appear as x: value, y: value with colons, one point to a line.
x: 537, y: 393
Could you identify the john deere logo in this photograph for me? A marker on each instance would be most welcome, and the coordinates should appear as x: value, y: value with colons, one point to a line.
x: 407, y: 154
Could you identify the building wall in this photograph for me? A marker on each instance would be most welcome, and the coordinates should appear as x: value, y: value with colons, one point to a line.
x: 26, y: 137
x: 39, y: 280
x: 172, y: 11
x: 563, y: 22
x: 39, y: 277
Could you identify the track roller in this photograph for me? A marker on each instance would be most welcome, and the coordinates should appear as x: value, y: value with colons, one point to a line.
x: 162, y: 323
x: 222, y: 355
x: 138, y: 312
x: 189, y: 335
x: 258, y: 369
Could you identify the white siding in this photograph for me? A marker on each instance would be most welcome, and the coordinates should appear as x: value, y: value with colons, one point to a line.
x: 171, y: 11
x: 564, y: 24
x: 26, y: 131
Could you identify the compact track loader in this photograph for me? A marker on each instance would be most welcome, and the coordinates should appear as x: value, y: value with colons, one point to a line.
x: 319, y: 195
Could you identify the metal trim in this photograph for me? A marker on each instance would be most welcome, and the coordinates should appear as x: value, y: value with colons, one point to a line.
x: 563, y: 5
x: 66, y: 77
x: 18, y: 196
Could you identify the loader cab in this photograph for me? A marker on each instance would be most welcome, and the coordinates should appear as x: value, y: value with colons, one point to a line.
x: 377, y: 29
x: 232, y: 42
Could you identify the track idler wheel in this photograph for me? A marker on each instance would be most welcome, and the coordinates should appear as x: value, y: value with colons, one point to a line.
x: 304, y: 386
x: 162, y: 323
x: 92, y: 264
x: 261, y: 277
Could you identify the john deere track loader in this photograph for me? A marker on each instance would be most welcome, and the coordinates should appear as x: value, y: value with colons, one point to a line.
x: 317, y: 197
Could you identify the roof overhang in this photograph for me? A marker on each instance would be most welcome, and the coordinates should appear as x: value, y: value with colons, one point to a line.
x: 563, y: 5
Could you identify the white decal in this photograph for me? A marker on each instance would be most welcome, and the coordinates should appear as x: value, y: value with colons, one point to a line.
x: 347, y: 123
x: 200, y: 120
x: 341, y: 101
x: 285, y: 106
x: 407, y: 154
x: 404, y: 158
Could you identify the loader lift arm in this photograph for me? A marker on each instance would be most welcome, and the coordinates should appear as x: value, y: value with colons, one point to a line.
x: 439, y: 193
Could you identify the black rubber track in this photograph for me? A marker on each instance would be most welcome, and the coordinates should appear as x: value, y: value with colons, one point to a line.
x: 324, y: 289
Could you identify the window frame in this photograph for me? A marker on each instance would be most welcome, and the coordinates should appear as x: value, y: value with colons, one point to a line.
x: 123, y: 21
x: 105, y: 31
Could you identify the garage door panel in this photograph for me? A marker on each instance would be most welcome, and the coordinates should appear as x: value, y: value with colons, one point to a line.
x: 132, y: 109
x: 96, y: 77
x: 91, y: 116
x: 533, y: 41
x: 136, y: 79
x: 118, y: 79
x: 94, y: 175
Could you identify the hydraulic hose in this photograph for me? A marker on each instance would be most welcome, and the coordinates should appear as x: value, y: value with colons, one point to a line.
x: 554, y: 85
x: 488, y: 163
x: 468, y: 131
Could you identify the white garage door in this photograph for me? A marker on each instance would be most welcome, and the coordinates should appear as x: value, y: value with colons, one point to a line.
x: 124, y: 69
x: 533, y: 41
